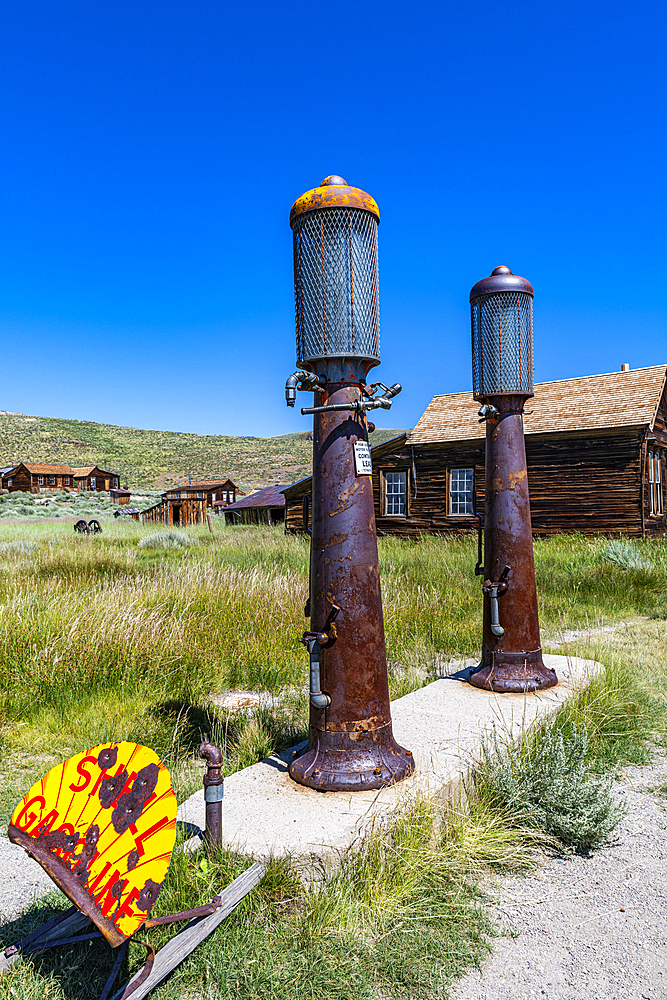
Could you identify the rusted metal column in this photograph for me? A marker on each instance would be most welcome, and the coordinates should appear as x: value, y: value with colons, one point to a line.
x: 503, y: 381
x: 213, y: 793
x: 351, y: 746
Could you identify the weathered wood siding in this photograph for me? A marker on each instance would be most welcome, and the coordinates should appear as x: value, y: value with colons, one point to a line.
x: 21, y: 480
x: 581, y: 481
x: 177, y: 513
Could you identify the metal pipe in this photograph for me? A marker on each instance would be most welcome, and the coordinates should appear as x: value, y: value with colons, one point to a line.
x: 496, y: 627
x: 213, y: 793
x: 359, y: 405
x: 317, y: 698
x: 301, y: 380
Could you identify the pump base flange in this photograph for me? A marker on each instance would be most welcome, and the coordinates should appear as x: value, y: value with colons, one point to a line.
x: 353, y: 765
x: 513, y: 673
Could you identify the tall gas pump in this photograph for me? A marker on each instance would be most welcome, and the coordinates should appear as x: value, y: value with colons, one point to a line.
x: 502, y: 359
x: 351, y: 745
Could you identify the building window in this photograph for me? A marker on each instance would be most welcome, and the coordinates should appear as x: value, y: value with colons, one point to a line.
x: 176, y: 496
x: 115, y: 484
x: 92, y: 482
x: 655, y: 482
x: 9, y: 482
x: 40, y: 480
x: 199, y: 496
x: 460, y: 491
x: 395, y: 494
x: 52, y: 480
x: 67, y: 480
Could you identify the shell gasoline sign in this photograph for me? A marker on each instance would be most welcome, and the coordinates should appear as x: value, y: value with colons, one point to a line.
x: 103, y: 826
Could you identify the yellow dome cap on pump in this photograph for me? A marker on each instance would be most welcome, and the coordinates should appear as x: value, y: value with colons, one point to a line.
x: 334, y: 192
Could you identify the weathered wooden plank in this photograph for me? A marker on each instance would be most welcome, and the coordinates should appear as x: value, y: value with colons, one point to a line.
x: 69, y: 927
x: 185, y: 942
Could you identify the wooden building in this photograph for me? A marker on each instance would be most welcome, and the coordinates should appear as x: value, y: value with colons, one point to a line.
x: 93, y: 479
x: 35, y: 477
x: 176, y: 511
x: 266, y: 506
x: 119, y: 496
x: 216, y: 492
x: 132, y: 512
x: 595, y: 449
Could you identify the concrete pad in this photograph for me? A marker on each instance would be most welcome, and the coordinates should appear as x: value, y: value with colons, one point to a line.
x: 265, y: 812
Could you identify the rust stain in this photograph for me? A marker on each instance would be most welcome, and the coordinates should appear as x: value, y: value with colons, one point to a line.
x: 344, y: 499
x: 336, y: 540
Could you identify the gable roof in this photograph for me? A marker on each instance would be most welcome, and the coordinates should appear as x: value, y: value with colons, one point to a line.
x: 270, y: 496
x: 37, y: 468
x: 80, y: 473
x: 205, y: 485
x: 594, y: 402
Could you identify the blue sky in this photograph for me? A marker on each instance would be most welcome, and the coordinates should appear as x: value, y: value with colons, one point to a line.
x: 151, y: 152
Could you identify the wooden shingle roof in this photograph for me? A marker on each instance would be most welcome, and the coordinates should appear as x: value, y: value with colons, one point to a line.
x: 594, y: 402
x: 36, y: 468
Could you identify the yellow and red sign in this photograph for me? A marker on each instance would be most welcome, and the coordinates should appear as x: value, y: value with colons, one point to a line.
x: 103, y: 826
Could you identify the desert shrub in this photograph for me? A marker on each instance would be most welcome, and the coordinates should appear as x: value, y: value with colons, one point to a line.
x: 22, y: 546
x: 625, y: 554
x: 165, y: 540
x: 548, y: 781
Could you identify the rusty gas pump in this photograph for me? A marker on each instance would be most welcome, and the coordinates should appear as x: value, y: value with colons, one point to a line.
x: 351, y: 745
x: 502, y: 351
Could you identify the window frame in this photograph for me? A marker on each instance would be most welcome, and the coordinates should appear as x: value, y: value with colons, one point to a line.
x: 401, y: 470
x: 655, y: 482
x: 460, y: 468
x: 40, y: 480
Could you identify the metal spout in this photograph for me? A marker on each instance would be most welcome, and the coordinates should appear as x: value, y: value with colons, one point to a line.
x: 213, y: 793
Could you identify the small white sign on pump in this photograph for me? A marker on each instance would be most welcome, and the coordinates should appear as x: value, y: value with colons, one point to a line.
x: 362, y: 459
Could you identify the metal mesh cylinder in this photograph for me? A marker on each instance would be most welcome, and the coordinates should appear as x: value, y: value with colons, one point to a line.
x: 502, y: 343
x: 336, y: 285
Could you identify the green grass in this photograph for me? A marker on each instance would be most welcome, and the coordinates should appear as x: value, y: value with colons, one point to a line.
x: 400, y: 917
x: 103, y: 639
x: 151, y: 458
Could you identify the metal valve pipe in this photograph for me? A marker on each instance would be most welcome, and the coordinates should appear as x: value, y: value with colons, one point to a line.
x: 214, y: 788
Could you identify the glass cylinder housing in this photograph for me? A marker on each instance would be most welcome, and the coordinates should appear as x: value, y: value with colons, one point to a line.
x: 336, y: 286
x: 501, y: 314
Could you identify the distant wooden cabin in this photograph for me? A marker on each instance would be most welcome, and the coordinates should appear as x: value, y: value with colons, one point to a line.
x: 266, y: 506
x: 119, y: 496
x: 92, y: 479
x: 216, y: 492
x: 35, y: 477
x: 176, y: 511
x: 595, y: 449
x: 132, y: 512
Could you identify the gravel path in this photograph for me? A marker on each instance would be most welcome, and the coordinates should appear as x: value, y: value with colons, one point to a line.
x: 588, y: 928
x: 21, y: 880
